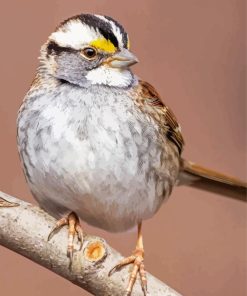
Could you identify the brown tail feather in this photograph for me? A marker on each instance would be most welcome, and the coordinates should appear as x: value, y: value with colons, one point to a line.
x: 202, y: 178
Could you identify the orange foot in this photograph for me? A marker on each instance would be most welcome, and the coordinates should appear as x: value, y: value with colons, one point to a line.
x: 137, y: 259
x: 73, y: 222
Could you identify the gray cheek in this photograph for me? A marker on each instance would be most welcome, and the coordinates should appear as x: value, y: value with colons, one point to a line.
x: 72, y: 68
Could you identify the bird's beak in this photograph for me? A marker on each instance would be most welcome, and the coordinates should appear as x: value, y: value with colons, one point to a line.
x: 122, y: 59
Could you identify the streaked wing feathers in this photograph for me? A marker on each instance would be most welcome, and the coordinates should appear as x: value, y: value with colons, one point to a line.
x: 151, y: 103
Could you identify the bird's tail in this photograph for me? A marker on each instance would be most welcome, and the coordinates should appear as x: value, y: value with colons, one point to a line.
x: 197, y: 176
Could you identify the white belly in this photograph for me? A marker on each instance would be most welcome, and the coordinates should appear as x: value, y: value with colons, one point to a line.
x: 105, y: 164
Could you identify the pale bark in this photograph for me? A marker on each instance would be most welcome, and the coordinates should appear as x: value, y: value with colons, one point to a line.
x: 24, y: 229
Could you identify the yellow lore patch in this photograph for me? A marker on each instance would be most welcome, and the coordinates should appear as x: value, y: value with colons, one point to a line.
x: 103, y: 44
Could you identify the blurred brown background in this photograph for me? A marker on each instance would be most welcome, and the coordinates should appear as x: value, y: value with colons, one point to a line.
x: 194, y: 53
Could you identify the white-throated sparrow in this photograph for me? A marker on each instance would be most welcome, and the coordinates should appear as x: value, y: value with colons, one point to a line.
x: 96, y: 142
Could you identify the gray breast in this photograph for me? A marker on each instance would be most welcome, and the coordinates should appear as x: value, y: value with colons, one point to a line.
x: 94, y: 152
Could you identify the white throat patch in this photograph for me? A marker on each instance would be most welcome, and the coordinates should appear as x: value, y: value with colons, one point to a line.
x: 110, y: 76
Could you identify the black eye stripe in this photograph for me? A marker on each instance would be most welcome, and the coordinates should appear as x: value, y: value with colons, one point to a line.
x: 54, y: 48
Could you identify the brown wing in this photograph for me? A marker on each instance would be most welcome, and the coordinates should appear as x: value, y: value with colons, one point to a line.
x: 150, y: 102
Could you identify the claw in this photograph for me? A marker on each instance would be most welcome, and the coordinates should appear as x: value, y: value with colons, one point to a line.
x: 7, y: 204
x: 72, y: 221
x: 137, y: 259
x: 70, y: 252
x: 79, y: 232
x: 60, y: 223
x: 114, y: 269
x: 142, y: 273
x: 121, y: 264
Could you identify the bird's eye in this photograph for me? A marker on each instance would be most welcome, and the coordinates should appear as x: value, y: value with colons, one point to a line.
x: 89, y: 52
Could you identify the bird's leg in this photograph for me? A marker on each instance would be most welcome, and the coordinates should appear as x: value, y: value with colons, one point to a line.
x: 73, y: 223
x: 137, y: 259
x: 7, y: 204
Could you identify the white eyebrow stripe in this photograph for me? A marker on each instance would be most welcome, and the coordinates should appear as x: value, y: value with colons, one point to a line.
x: 116, y: 31
x: 75, y: 34
x: 102, y: 17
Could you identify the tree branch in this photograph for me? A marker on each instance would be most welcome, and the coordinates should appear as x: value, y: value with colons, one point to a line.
x: 24, y: 229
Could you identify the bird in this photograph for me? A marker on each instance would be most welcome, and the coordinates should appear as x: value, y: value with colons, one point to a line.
x: 97, y: 143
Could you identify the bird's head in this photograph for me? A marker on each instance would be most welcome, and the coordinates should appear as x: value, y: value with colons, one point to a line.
x: 89, y: 49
